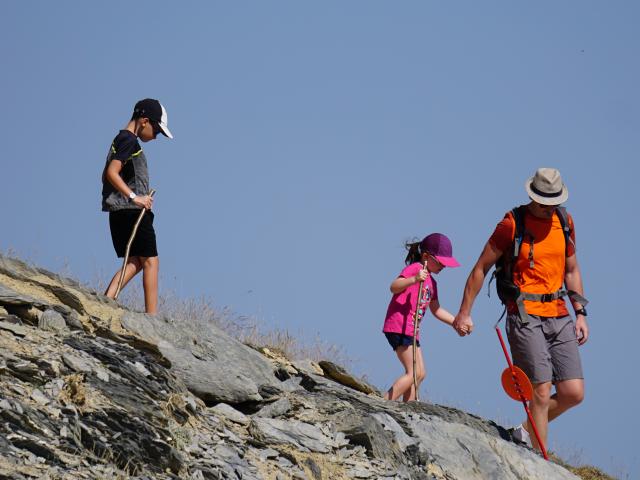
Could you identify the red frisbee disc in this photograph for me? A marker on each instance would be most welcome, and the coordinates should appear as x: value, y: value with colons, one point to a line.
x: 517, y: 384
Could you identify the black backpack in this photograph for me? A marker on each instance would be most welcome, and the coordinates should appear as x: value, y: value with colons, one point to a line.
x: 508, y: 291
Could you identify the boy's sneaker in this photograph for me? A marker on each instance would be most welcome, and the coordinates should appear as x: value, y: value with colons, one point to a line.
x: 521, y: 435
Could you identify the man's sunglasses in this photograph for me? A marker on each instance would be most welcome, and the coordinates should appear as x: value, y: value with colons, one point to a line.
x: 547, y: 207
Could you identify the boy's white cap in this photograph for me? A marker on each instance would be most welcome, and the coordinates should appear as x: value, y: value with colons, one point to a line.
x: 154, y: 111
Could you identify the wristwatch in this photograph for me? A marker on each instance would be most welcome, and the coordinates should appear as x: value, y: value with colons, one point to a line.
x: 581, y: 311
x: 132, y: 195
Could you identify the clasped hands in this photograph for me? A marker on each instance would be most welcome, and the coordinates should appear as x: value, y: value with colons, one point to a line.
x: 463, y: 324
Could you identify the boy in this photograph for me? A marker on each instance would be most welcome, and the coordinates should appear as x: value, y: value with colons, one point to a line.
x: 125, y: 191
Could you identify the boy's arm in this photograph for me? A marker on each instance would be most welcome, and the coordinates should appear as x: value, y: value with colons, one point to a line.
x: 112, y: 175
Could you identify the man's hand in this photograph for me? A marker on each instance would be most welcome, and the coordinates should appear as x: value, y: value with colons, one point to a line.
x: 463, y: 324
x: 582, y: 330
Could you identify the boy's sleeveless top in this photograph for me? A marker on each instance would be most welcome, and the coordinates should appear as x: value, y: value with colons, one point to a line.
x: 402, y: 307
x: 125, y: 147
x: 550, y: 252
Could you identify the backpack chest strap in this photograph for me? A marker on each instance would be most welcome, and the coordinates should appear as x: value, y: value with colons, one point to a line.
x: 542, y: 297
x: 545, y: 298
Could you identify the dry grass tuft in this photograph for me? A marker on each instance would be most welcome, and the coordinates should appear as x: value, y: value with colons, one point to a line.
x: 74, y: 390
x: 585, y: 472
x: 589, y: 473
x: 201, y: 312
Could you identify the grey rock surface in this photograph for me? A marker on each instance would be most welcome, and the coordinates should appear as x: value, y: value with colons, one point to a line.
x: 52, y: 321
x: 340, y: 375
x: 275, y: 409
x: 14, y: 328
x: 293, y: 432
x: 117, y: 397
x: 9, y: 298
x: 231, y: 413
x: 214, y: 366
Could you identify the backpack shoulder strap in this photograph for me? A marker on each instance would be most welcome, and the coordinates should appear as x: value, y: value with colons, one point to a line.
x: 563, y: 216
x: 518, y: 217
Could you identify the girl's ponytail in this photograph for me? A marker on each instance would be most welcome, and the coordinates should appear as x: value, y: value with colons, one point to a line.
x: 414, y: 255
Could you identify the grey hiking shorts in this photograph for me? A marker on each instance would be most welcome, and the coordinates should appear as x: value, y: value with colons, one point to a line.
x: 546, y: 348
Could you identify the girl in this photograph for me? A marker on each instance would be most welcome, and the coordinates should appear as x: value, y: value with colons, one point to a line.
x: 425, y: 258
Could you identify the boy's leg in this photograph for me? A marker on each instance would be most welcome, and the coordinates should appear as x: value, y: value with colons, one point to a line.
x: 150, y: 268
x: 133, y: 266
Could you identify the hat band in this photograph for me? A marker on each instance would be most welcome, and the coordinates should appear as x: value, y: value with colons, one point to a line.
x: 544, y: 194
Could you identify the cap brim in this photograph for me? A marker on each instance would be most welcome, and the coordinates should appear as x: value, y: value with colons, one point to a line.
x: 448, y: 261
x: 563, y: 197
x: 165, y: 131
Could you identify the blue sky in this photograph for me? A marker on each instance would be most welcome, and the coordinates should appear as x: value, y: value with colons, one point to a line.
x: 313, y: 139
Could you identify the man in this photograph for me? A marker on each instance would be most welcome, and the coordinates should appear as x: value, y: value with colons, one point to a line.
x: 543, y: 337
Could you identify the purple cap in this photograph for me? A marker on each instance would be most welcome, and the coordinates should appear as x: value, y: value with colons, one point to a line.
x: 439, y: 245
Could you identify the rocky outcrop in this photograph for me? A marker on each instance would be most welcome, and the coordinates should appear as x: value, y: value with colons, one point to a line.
x: 212, y: 365
x: 90, y: 390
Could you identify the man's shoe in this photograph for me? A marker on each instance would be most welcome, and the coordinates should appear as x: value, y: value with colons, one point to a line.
x: 521, y: 435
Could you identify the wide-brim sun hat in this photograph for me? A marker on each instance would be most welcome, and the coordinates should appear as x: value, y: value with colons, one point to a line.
x: 439, y: 245
x: 546, y: 187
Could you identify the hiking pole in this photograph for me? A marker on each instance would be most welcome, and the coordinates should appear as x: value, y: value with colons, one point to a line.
x: 126, y: 253
x: 416, y: 318
x: 518, y: 386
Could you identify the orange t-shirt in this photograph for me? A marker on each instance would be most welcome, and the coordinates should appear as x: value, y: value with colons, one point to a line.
x: 547, y: 274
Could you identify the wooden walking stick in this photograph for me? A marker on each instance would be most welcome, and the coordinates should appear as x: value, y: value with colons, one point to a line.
x: 416, y: 319
x: 126, y: 253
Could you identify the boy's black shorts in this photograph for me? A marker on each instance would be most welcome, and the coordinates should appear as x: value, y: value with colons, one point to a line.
x: 121, y: 223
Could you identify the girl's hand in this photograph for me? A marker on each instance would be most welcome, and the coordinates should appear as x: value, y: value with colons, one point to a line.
x: 421, y: 276
x: 462, y: 331
x: 402, y: 283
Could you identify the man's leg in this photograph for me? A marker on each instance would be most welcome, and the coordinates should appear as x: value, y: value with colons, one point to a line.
x: 569, y: 393
x: 150, y: 268
x: 132, y: 267
x: 566, y: 364
x: 539, y: 407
